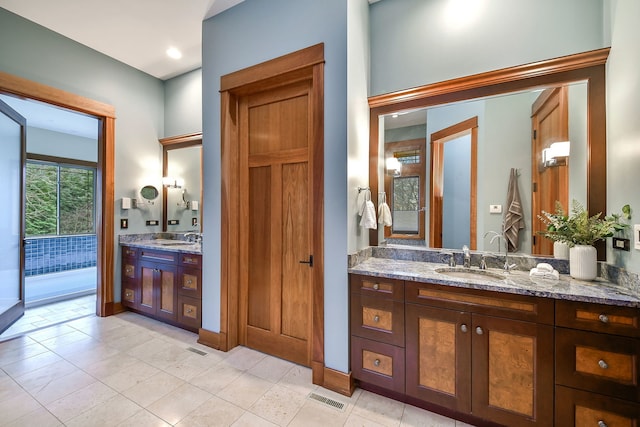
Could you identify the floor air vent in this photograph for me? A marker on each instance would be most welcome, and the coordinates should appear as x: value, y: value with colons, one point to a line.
x: 196, y: 351
x: 327, y: 401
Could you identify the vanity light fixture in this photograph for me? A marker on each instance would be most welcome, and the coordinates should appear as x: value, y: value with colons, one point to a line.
x: 555, y: 154
x: 171, y: 182
x: 394, y: 167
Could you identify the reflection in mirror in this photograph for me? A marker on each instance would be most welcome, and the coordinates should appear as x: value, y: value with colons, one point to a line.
x: 511, y: 131
x: 149, y: 193
x: 182, y: 179
x: 513, y: 120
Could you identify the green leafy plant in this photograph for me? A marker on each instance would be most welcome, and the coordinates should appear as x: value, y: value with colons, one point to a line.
x: 578, y: 228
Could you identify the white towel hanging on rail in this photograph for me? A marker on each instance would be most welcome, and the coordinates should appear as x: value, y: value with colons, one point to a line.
x: 368, y: 212
x: 384, y: 213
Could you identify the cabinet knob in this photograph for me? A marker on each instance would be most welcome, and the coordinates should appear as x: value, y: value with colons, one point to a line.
x: 189, y: 310
x: 189, y: 281
x: 602, y: 424
x: 376, y: 318
x: 464, y: 328
x: 376, y: 362
x: 603, y: 318
x: 603, y: 364
x: 479, y: 330
x: 376, y: 286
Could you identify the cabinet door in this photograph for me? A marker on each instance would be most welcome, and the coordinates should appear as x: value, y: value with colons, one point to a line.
x: 438, y: 356
x: 158, y: 290
x: 512, y: 368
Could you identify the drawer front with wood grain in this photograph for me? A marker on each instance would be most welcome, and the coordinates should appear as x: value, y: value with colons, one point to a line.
x: 377, y: 319
x: 189, y: 311
x: 599, y: 318
x: 378, y: 287
x: 378, y: 363
x: 192, y: 260
x: 597, y: 362
x: 189, y: 282
x: 129, y: 252
x: 516, y: 307
x: 576, y: 408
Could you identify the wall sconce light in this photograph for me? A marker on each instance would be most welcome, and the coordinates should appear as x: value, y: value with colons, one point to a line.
x: 394, y: 167
x: 171, y: 182
x: 556, y: 154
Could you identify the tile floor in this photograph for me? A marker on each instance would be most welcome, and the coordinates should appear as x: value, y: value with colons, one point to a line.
x: 46, y: 315
x: 128, y: 370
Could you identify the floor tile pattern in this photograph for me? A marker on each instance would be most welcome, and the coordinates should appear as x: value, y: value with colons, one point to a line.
x: 128, y: 370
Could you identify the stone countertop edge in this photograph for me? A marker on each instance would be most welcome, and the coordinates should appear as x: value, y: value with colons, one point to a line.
x: 147, y: 241
x: 598, y: 291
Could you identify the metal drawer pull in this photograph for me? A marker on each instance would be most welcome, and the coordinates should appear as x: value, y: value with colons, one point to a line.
x: 376, y: 318
x: 604, y: 319
x: 602, y: 424
x: 479, y: 330
x: 376, y: 286
x: 464, y: 328
x: 189, y: 310
x: 189, y: 282
x: 376, y: 362
x: 603, y: 364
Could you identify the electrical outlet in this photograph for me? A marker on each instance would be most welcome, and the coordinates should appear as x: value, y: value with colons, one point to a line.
x: 621, y: 244
x: 495, y: 209
x: 152, y: 222
x: 636, y: 236
x: 174, y: 221
x: 124, y: 223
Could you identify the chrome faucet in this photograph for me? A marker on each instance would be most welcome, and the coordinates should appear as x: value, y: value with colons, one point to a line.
x: 507, y: 267
x: 467, y: 257
x: 451, y: 258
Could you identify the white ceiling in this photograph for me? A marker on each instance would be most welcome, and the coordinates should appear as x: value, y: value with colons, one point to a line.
x: 136, y: 32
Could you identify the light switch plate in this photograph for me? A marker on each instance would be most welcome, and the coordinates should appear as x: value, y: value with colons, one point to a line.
x: 495, y: 209
x: 636, y: 236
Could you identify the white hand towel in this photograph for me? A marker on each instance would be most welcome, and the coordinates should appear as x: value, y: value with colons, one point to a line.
x: 368, y: 213
x: 544, y: 273
x: 384, y: 215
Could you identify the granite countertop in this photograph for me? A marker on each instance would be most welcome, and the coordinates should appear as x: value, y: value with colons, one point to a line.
x: 172, y: 245
x: 516, y: 282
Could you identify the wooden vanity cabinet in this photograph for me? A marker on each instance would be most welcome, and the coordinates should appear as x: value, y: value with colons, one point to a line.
x: 166, y: 285
x: 480, y: 353
x: 377, y: 331
x: 597, y: 365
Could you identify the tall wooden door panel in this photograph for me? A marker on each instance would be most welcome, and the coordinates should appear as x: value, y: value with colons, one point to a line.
x: 550, y: 124
x: 277, y: 289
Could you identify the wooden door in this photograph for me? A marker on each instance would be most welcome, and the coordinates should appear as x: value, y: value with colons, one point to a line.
x: 550, y: 123
x: 512, y: 368
x: 158, y: 289
x: 275, y: 166
x: 438, y: 354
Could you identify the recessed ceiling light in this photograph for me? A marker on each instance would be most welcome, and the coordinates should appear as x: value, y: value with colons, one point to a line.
x: 174, y: 53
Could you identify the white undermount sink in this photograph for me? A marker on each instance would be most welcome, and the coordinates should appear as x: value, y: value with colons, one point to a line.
x: 467, y: 273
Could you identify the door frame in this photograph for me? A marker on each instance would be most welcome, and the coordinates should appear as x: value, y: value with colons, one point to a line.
x: 106, y: 116
x: 438, y: 139
x: 305, y: 64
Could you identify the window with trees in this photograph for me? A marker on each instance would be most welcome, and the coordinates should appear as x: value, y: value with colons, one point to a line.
x: 60, y: 199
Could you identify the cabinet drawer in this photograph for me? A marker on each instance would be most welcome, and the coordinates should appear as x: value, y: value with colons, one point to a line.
x: 129, y: 293
x: 129, y: 252
x: 377, y: 319
x: 192, y: 260
x: 189, y: 311
x: 128, y: 269
x: 378, y: 363
x: 161, y: 256
x: 189, y: 282
x: 599, y: 318
x: 575, y: 408
x: 377, y: 286
x: 598, y: 362
x: 516, y: 307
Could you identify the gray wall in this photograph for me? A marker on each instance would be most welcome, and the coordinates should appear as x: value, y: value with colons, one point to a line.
x: 35, y: 53
x: 51, y: 143
x: 241, y: 37
x: 183, y: 104
x: 415, y: 42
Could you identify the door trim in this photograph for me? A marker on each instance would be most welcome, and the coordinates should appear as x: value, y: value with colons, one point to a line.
x: 306, y: 64
x: 438, y: 139
x: 105, y: 113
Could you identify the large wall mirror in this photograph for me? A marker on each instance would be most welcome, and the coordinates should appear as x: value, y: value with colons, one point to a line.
x: 459, y: 143
x: 182, y: 183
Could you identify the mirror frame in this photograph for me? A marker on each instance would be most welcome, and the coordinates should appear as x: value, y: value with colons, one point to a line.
x: 589, y: 66
x: 174, y: 143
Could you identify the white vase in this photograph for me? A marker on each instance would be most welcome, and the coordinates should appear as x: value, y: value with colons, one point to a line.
x: 583, y: 262
x: 560, y: 250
